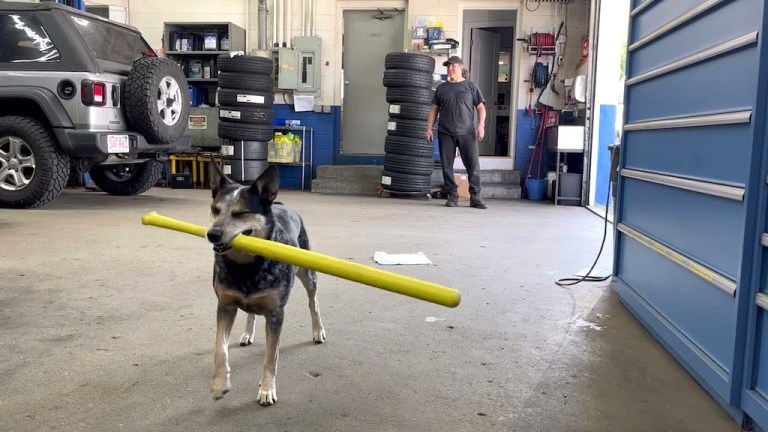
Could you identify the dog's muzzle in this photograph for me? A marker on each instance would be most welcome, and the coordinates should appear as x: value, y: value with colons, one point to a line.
x: 216, y: 236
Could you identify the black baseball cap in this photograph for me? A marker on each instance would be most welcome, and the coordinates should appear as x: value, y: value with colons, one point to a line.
x: 453, y: 60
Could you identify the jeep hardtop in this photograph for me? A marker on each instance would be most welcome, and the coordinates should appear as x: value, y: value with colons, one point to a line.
x: 79, y: 93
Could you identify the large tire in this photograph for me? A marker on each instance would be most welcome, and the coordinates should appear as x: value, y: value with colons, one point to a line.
x: 412, y: 111
x: 245, y: 64
x: 246, y: 171
x: 235, y: 97
x: 399, y: 182
x: 407, y: 78
x: 237, y: 150
x: 413, y: 95
x: 246, y: 132
x: 127, y: 179
x: 409, y: 164
x: 411, y: 61
x: 35, y: 170
x: 418, y: 147
x: 157, y: 100
x: 407, y: 128
x: 246, y: 115
x: 258, y: 83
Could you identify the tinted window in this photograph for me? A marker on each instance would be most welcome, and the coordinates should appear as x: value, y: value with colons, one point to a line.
x: 23, y: 39
x: 109, y: 42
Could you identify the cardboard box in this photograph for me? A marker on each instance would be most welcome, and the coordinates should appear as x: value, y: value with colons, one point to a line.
x: 462, y: 181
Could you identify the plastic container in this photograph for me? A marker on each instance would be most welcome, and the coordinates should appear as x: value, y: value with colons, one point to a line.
x: 211, y: 40
x: 195, y: 68
x: 537, y: 189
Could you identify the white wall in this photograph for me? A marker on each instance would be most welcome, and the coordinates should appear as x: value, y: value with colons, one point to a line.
x: 547, y: 18
x: 614, y: 20
x: 149, y: 16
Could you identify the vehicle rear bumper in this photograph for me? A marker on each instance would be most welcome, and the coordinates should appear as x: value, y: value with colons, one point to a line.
x: 83, y: 143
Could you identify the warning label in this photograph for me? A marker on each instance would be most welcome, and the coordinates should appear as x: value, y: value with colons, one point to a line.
x: 198, y: 122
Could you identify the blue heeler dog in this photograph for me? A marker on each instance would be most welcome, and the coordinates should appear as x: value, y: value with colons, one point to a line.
x: 252, y: 283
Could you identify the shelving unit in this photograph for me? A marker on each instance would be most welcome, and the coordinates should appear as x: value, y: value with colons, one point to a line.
x: 304, y: 144
x: 173, y: 31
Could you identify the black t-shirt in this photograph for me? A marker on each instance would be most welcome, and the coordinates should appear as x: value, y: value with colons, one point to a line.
x: 456, y: 103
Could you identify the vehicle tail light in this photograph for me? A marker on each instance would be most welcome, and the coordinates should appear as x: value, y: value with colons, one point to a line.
x: 93, y: 93
x: 150, y: 53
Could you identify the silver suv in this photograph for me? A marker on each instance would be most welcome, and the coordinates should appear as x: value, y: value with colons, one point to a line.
x: 78, y: 91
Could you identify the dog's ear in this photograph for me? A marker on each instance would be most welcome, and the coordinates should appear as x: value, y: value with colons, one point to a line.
x: 265, y: 187
x: 218, y: 178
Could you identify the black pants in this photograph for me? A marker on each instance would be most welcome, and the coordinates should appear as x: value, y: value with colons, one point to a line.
x: 470, y: 156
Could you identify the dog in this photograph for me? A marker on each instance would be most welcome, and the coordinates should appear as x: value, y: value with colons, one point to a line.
x: 256, y: 285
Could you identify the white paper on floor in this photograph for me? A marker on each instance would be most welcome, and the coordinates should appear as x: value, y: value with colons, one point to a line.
x: 384, y: 258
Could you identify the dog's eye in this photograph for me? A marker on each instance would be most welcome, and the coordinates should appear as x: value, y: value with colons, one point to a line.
x: 214, y: 211
x: 239, y: 213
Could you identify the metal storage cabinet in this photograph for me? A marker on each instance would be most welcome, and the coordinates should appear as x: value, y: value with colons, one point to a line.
x: 691, y: 207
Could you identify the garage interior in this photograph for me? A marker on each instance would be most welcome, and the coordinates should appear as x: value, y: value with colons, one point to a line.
x: 110, y: 325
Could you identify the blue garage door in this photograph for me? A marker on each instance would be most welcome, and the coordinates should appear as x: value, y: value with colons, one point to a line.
x: 692, y: 188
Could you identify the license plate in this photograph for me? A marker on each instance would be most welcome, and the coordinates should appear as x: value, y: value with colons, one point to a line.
x: 117, y: 143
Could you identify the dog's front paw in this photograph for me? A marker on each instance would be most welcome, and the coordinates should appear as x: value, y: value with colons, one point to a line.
x: 221, y: 386
x: 267, y: 395
x: 246, y: 338
x: 318, y: 335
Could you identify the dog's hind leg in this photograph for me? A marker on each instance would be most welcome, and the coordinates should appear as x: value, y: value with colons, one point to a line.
x: 250, y: 329
x: 225, y: 317
x: 308, y: 278
x: 267, y: 388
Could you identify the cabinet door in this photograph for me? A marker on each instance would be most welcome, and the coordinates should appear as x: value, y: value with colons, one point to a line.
x: 684, y: 226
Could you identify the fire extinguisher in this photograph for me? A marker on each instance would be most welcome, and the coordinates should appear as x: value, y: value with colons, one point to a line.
x: 584, y: 47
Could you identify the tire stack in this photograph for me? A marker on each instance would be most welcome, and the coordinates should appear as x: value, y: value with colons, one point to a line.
x: 245, y: 99
x: 408, y: 157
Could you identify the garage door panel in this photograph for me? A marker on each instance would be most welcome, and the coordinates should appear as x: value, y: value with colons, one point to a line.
x: 705, y: 88
x: 706, y: 228
x: 714, y: 153
x: 682, y: 298
x: 705, y: 32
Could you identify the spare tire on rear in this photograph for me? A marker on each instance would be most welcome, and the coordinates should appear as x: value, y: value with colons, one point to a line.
x: 157, y: 100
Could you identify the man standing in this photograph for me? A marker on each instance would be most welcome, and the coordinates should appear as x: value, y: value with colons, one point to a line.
x: 456, y: 101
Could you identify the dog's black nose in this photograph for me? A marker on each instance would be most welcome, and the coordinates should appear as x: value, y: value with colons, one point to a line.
x: 214, y: 235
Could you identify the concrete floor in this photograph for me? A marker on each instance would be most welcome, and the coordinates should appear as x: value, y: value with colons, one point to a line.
x: 106, y: 324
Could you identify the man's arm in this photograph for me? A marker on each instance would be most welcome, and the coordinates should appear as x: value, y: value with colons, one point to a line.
x: 431, y: 122
x: 481, y: 121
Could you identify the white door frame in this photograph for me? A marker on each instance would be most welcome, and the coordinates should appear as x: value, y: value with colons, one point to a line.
x: 497, y: 162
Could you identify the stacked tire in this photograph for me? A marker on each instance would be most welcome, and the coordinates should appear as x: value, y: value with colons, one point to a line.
x: 245, y: 99
x: 408, y: 157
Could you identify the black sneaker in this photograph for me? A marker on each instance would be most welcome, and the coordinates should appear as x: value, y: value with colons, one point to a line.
x: 477, y: 202
x: 453, y: 200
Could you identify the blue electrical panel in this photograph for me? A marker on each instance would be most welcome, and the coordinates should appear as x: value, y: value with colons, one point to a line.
x: 690, y: 256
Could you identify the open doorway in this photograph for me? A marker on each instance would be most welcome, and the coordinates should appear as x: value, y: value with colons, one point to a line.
x: 489, y: 53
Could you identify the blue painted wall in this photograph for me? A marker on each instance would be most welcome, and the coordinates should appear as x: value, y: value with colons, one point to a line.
x: 327, y: 127
x: 525, y: 136
x: 606, y: 137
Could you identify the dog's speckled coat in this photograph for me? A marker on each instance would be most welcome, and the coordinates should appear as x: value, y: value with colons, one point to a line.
x: 251, y: 283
